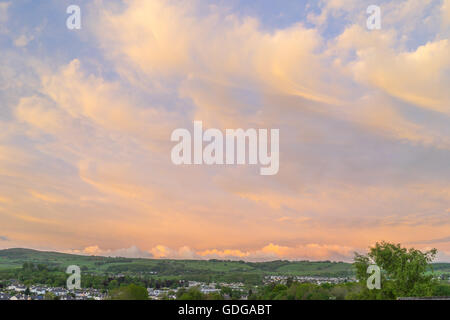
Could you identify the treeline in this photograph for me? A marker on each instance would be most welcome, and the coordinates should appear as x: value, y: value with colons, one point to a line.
x: 292, y: 291
x: 39, y: 274
x: 180, y: 270
x: 345, y: 291
x: 34, y: 274
x: 247, y: 278
x: 306, y: 291
x: 31, y: 273
x: 250, y: 272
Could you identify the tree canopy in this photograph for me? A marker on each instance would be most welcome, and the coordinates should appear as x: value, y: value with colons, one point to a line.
x: 403, y: 271
x: 130, y: 292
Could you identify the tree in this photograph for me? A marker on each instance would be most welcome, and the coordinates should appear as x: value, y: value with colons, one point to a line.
x: 130, y: 292
x: 50, y: 296
x: 113, y: 284
x: 27, y: 266
x: 193, y: 293
x: 403, y: 272
x: 289, y: 281
x: 214, y: 296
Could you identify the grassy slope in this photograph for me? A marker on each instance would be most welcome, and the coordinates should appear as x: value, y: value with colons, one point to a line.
x: 14, y: 258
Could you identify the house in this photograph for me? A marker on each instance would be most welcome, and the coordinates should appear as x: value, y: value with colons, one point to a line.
x: 38, y: 290
x: 4, y: 296
x: 209, y: 290
x: 20, y: 297
x: 17, y: 288
x: 58, y: 291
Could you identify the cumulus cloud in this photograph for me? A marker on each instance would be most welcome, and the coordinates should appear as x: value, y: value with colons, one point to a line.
x: 216, y: 53
x: 164, y: 252
x: 363, y: 118
x: 311, y: 251
x: 23, y: 40
x: 395, y: 74
x: 106, y: 104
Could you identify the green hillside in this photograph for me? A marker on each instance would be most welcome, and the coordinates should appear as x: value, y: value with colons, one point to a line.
x: 15, y: 258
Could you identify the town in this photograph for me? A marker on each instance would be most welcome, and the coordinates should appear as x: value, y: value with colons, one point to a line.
x: 13, y: 290
x: 27, y: 274
x: 17, y: 291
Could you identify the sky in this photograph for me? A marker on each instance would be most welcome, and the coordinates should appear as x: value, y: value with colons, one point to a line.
x: 86, y: 118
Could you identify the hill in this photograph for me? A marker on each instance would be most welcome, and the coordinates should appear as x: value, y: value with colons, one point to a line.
x: 15, y: 258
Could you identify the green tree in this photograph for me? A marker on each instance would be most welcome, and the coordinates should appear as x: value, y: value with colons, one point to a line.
x: 193, y: 293
x: 403, y: 272
x: 214, y: 296
x: 113, y: 284
x: 50, y: 296
x: 130, y: 292
x: 442, y: 290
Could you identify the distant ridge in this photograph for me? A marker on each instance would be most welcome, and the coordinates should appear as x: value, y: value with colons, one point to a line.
x: 23, y: 252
